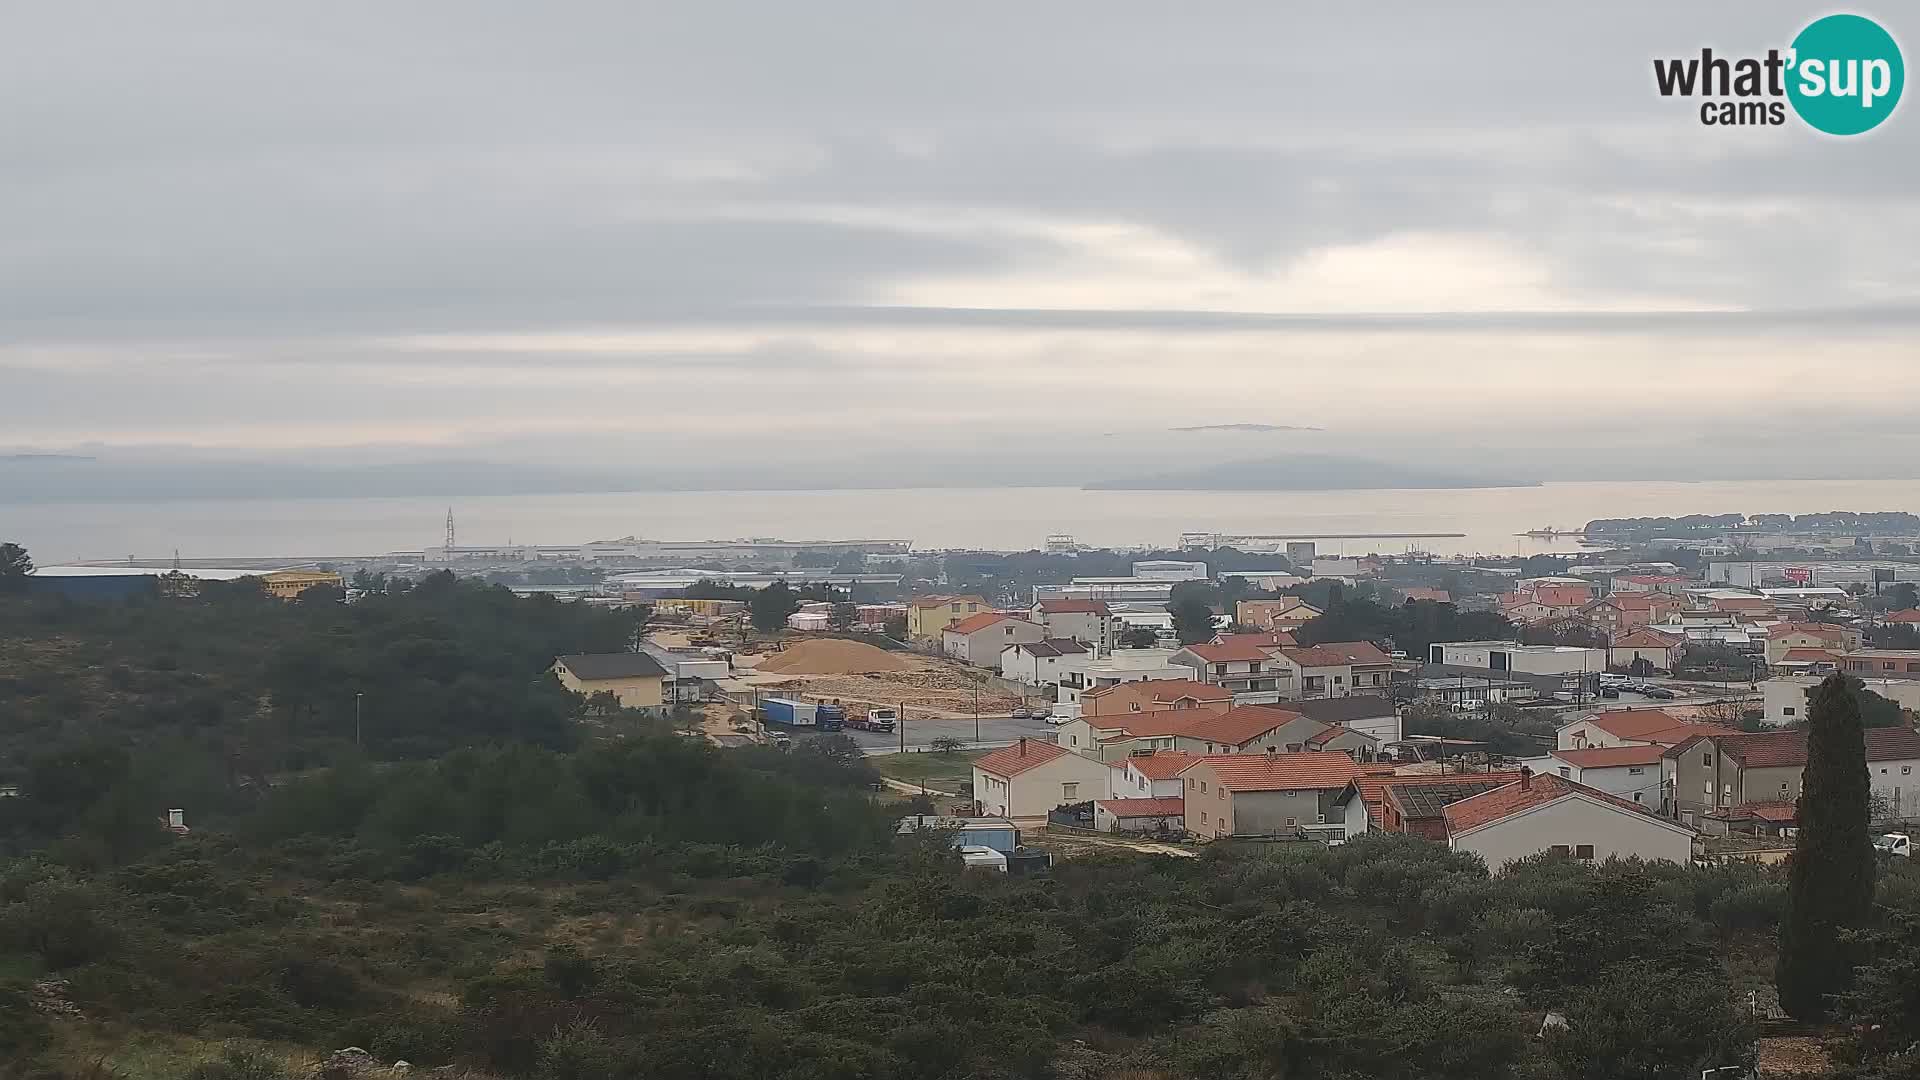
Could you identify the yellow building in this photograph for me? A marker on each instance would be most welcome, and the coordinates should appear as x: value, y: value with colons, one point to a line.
x: 636, y: 680
x: 288, y: 584
x: 929, y: 616
x: 710, y: 609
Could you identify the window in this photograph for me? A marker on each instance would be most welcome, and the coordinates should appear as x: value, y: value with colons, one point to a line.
x: 1069, y: 792
x: 1223, y: 794
x: 1338, y: 679
x: 1707, y: 759
x: 1566, y: 772
x: 1584, y: 851
x: 1290, y: 821
x: 1788, y: 710
x: 1561, y: 849
x: 1636, y: 796
x: 1635, y: 770
x: 1203, y: 817
x: 1203, y: 785
x: 1906, y: 770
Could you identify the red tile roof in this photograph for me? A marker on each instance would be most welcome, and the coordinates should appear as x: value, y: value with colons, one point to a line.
x: 1644, y: 638
x: 1810, y: 655
x: 1653, y: 726
x: 1338, y: 654
x: 973, y: 623
x: 1607, y: 757
x: 1422, y: 592
x: 1074, y: 607
x: 1788, y: 749
x: 1236, y: 726
x: 1272, y: 639
x: 1235, y: 652
x: 1562, y: 595
x: 1911, y: 615
x: 1373, y: 786
x: 1825, y: 631
x: 1011, y: 761
x: 1163, y: 806
x: 1146, y: 691
x: 1305, y: 771
x: 1654, y: 579
x: 1161, y: 764
x: 1525, y: 794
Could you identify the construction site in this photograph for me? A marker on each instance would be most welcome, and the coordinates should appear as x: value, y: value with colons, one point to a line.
x: 858, y: 674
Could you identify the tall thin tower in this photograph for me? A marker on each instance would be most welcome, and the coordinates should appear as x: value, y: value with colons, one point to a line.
x: 449, y: 531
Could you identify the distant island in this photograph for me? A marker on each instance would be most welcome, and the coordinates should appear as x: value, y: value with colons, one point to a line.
x: 1245, y: 427
x: 1305, y: 472
x: 1871, y: 523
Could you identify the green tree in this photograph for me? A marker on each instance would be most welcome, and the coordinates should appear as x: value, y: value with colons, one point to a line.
x: 1191, y: 604
x: 842, y: 616
x: 1138, y: 637
x: 1643, y: 1020
x: 15, y: 565
x: 896, y: 627
x: 1830, y: 885
x: 946, y: 744
x: 770, y: 607
x: 1901, y: 596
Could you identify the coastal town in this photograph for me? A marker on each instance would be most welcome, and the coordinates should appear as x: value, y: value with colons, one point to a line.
x: 1650, y: 683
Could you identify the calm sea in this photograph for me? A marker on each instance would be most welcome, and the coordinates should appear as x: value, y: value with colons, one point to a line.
x: 1005, y: 518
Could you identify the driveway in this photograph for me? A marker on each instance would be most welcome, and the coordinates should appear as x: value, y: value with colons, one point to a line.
x: 919, y: 733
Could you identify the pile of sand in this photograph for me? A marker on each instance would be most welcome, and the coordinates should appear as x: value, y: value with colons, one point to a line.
x: 833, y: 656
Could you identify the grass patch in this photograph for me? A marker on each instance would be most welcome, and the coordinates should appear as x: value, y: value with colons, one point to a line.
x: 933, y: 769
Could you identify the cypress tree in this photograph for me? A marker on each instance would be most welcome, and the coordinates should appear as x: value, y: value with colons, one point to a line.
x: 1830, y: 886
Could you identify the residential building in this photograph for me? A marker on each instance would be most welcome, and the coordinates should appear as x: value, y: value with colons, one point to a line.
x: 1782, y: 637
x: 1089, y: 622
x: 1537, y: 814
x: 1715, y: 772
x: 1546, y: 599
x: 1331, y: 566
x: 1244, y: 667
x: 929, y: 616
x: 1267, y: 794
x: 1286, y: 613
x: 1785, y: 698
x: 1731, y: 601
x: 1882, y: 663
x: 1670, y: 584
x: 1806, y: 662
x: 1121, y: 666
x: 1646, y: 646
x: 289, y: 584
x: 1031, y: 777
x: 1631, y: 727
x: 979, y: 639
x: 1153, y: 774
x: 1158, y: 815
x: 1907, y: 617
x: 1043, y: 663
x: 1621, y: 612
x: 1422, y: 592
x: 1372, y: 715
x: 636, y: 680
x: 1411, y: 805
x: 1631, y: 772
x: 1339, y: 668
x: 1153, y: 695
x: 1253, y: 729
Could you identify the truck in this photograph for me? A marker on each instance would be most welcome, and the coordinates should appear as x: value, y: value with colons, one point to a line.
x: 792, y: 713
x: 1895, y: 843
x: 878, y: 719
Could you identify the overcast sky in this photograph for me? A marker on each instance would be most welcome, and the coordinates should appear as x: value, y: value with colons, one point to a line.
x: 382, y: 231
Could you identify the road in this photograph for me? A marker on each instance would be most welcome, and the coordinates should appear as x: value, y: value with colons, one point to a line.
x: 919, y: 733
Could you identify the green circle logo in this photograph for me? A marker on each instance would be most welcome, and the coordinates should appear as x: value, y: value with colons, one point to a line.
x: 1846, y: 74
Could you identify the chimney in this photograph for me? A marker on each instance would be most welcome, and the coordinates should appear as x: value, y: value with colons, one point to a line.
x: 1526, y: 778
x: 1023, y: 746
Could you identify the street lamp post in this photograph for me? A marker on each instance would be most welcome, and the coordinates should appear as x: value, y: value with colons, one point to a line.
x: 357, y: 695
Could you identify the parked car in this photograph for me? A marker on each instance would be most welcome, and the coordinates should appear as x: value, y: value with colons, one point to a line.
x: 1021, y: 712
x: 1060, y: 719
x: 1610, y: 691
x: 1041, y: 712
x: 1660, y: 693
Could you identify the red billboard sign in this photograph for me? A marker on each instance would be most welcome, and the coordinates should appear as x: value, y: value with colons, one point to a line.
x: 1799, y: 575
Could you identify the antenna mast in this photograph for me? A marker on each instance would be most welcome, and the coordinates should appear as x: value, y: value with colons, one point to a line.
x: 449, y: 532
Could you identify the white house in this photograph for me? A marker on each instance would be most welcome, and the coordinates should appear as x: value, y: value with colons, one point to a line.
x: 1631, y: 772
x: 1089, y: 622
x: 1785, y: 699
x: 1550, y: 813
x: 979, y: 639
x: 1153, y: 774
x: 1121, y: 666
x: 1042, y: 663
x: 1031, y: 777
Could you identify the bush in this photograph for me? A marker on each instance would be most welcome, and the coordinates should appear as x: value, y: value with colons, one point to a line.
x: 1750, y: 907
